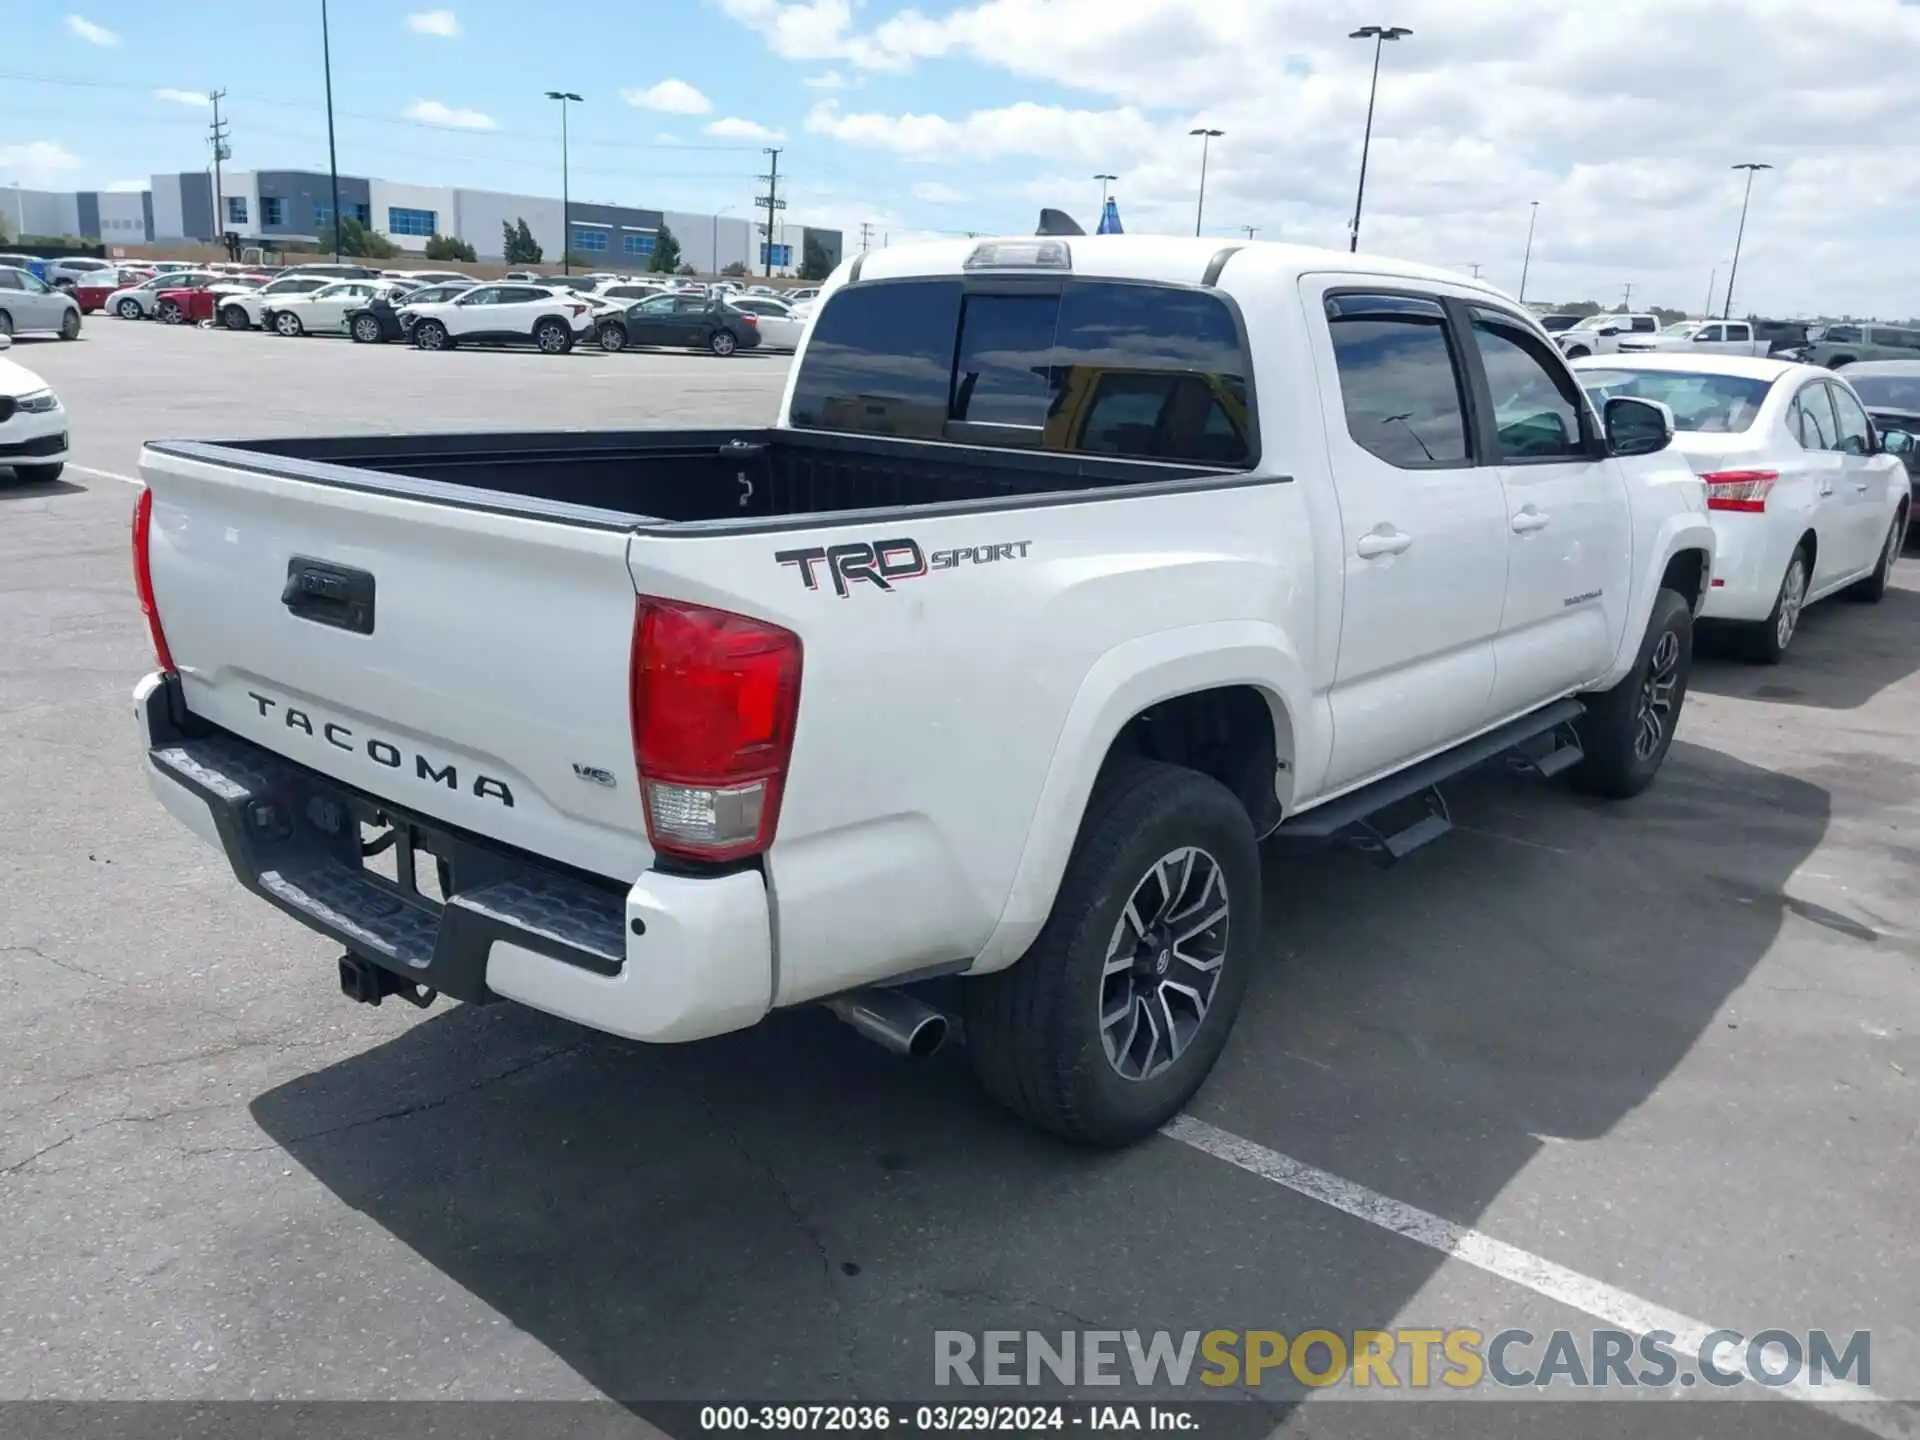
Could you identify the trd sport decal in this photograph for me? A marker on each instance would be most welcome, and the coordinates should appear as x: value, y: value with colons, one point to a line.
x: 885, y: 563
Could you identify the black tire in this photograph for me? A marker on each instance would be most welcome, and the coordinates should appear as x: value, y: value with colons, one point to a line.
x: 169, y: 313
x: 431, y: 335
x: 1034, y: 1029
x: 39, y: 474
x: 235, y: 318
x: 70, y: 325
x: 722, y: 343
x: 287, y: 325
x: 612, y: 337
x: 1766, y: 642
x: 1628, y: 730
x: 128, y: 309
x: 6, y: 323
x: 1873, y: 589
x: 553, y: 337
x: 1578, y: 352
x: 366, y: 329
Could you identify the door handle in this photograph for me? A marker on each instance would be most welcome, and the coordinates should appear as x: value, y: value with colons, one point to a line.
x: 1529, y: 520
x: 1382, y: 542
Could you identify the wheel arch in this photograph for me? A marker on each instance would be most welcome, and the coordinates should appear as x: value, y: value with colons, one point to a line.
x: 1227, y: 699
x: 1684, y: 545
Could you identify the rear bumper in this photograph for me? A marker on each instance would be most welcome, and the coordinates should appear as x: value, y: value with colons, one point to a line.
x: 669, y: 958
x: 1750, y: 561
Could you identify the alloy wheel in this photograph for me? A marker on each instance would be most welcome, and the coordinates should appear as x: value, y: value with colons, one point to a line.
x: 1793, y: 598
x: 1654, y: 714
x: 1163, y: 963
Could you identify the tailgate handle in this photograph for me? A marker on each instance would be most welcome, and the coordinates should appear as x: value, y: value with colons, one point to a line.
x: 329, y: 594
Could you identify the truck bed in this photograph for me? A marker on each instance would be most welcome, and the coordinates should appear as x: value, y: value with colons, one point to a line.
x: 710, y: 479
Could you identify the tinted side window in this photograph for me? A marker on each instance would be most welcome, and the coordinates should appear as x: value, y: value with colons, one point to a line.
x: 1535, y: 412
x: 1642, y: 324
x: 1398, y: 380
x: 1817, y: 428
x: 10, y: 280
x: 881, y: 360
x: 1855, y: 433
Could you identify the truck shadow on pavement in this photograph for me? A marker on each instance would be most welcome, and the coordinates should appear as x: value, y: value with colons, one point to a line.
x: 1843, y: 655
x: 790, y: 1214
x: 13, y: 486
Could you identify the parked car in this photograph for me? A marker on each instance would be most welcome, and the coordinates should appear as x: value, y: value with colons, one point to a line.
x: 28, y: 303
x: 33, y: 423
x: 503, y: 315
x: 1805, y: 502
x: 1554, y: 324
x: 1697, y: 337
x: 779, y: 328
x: 1600, y: 334
x: 138, y: 302
x: 1781, y: 335
x: 682, y: 321
x: 382, y: 318
x: 1217, y: 631
x: 96, y: 290
x: 194, y: 304
x: 428, y: 277
x: 1837, y: 345
x: 629, y: 290
x: 322, y: 311
x: 72, y: 270
x: 242, y: 309
x: 332, y: 271
x: 1890, y: 389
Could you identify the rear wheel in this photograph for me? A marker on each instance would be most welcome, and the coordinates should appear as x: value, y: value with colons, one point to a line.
x: 722, y: 343
x: 431, y: 335
x: 70, y: 325
x: 552, y: 337
x: 128, y: 309
x: 1873, y: 589
x: 613, y: 337
x: 1577, y: 352
x: 235, y: 318
x: 6, y: 323
x: 1766, y: 643
x: 1106, y: 1027
x: 366, y: 329
x: 286, y: 323
x: 1627, y: 730
x: 170, y: 312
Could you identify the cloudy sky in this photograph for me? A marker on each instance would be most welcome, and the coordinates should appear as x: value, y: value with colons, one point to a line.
x: 1621, y: 117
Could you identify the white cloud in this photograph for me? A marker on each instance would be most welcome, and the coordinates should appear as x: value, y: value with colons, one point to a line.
x: 443, y: 23
x: 93, y: 34
x: 37, y: 161
x: 433, y: 112
x: 935, y: 193
x: 830, y: 80
x: 182, y: 97
x: 670, y: 96
x: 1606, y: 115
x: 127, y: 187
x: 732, y: 127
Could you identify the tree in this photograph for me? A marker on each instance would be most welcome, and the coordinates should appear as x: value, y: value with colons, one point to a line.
x: 734, y: 267
x: 686, y: 270
x: 815, y: 264
x: 518, y: 247
x: 448, y: 247
x: 666, y: 251
x: 356, y: 239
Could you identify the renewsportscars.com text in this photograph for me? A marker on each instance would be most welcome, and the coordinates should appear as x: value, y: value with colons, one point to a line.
x: 1405, y: 1358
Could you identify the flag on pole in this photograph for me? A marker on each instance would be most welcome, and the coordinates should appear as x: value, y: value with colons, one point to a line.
x: 1110, y: 219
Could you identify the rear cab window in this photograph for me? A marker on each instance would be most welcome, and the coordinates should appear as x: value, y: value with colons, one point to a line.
x: 1119, y: 368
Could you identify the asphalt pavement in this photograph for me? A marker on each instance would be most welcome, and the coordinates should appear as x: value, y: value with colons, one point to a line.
x: 1576, y: 1057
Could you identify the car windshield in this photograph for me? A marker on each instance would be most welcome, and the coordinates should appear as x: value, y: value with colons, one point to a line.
x: 1888, y: 392
x: 1704, y: 403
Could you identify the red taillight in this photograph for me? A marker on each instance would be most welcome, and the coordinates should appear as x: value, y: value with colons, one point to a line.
x: 714, y: 699
x: 753, y: 320
x: 143, y: 577
x: 578, y: 309
x: 1743, y: 490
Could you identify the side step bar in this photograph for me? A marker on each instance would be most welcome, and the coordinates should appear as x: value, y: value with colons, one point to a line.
x: 1395, y: 816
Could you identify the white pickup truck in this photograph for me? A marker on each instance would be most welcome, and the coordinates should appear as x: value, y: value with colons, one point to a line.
x: 1696, y: 337
x: 1605, y: 333
x: 1072, y: 568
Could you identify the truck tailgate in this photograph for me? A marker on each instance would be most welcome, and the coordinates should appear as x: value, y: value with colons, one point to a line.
x: 468, y: 664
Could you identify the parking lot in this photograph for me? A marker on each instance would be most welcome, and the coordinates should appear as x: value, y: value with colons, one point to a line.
x: 1667, y: 1052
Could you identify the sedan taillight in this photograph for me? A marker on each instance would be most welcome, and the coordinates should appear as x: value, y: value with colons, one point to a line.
x: 1740, y: 490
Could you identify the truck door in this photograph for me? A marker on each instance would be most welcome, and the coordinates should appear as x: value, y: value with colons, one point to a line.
x: 1424, y: 530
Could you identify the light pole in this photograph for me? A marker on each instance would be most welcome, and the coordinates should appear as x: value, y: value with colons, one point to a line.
x: 1379, y: 34
x: 1713, y: 279
x: 1207, y: 137
x: 1527, y: 260
x: 333, y: 158
x: 1104, y: 180
x: 1750, y: 167
x: 566, y: 201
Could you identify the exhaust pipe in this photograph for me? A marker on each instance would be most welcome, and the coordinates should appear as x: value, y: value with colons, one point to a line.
x: 893, y: 1020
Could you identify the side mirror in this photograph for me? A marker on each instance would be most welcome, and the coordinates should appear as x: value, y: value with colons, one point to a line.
x: 1636, y: 426
x: 1897, y: 442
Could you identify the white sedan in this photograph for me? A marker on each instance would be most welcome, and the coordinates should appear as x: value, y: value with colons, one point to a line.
x: 33, y: 423
x: 1805, y: 501
x: 242, y: 310
x: 322, y: 311
x: 780, y: 328
x: 136, y: 302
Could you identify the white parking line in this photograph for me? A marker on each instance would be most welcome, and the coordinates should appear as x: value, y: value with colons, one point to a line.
x: 1854, y: 1404
x: 107, y: 474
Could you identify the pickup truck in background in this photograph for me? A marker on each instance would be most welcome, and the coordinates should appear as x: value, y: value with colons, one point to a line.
x: 1601, y: 334
x: 1072, y: 569
x: 1701, y: 337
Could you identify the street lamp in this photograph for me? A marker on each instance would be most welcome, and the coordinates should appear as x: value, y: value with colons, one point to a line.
x: 1207, y: 137
x: 1750, y: 167
x: 333, y: 158
x: 1379, y: 34
x: 566, y: 204
x: 1527, y: 260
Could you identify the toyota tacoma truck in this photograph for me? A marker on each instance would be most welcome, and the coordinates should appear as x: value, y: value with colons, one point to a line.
x: 1072, y: 570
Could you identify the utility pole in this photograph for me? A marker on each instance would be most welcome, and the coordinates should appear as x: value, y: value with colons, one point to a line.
x: 1626, y: 302
x: 1712, y: 281
x: 771, y: 203
x: 1526, y: 261
x: 866, y: 233
x: 333, y: 157
x: 1251, y: 230
x: 217, y: 133
x: 1474, y: 265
